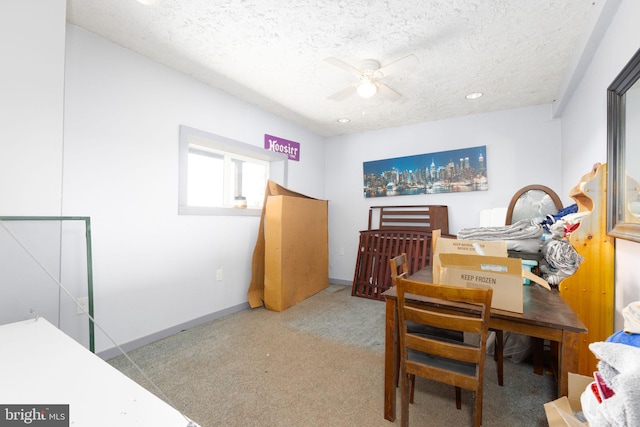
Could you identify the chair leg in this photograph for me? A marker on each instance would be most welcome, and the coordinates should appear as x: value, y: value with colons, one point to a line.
x: 413, y: 387
x: 478, y: 408
x: 404, y: 393
x: 397, y: 362
x: 458, y: 398
x: 498, y: 356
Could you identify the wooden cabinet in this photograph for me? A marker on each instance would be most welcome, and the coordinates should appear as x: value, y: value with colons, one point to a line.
x: 590, y: 291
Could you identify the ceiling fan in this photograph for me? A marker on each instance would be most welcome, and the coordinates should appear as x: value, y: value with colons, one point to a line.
x: 369, y: 77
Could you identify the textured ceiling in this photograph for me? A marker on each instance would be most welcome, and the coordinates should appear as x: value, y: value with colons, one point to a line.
x: 271, y: 53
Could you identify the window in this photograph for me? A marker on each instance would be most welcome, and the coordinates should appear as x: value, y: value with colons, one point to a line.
x: 219, y: 179
x: 220, y: 176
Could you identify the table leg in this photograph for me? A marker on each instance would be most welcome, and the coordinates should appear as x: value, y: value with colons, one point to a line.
x: 390, y: 356
x: 498, y: 355
x: 538, y: 355
x: 568, y: 355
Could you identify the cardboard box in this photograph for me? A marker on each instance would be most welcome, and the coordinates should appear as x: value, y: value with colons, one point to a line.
x: 561, y: 412
x: 503, y: 274
x: 442, y: 245
x: 296, y: 263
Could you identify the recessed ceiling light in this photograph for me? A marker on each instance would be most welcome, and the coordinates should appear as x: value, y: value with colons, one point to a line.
x: 474, y: 95
x: 344, y: 120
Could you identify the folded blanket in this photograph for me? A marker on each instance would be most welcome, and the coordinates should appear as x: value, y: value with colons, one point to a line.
x: 621, y: 409
x: 619, y: 367
x: 550, y: 219
x: 622, y: 337
x: 524, y: 229
x: 524, y: 245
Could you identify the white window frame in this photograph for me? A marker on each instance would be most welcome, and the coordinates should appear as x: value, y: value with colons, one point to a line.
x: 190, y: 137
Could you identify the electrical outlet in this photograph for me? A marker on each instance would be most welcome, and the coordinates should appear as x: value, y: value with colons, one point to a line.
x: 341, y: 251
x: 83, y: 303
x: 218, y: 275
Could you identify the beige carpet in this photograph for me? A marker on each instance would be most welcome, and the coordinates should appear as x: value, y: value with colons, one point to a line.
x: 319, y: 363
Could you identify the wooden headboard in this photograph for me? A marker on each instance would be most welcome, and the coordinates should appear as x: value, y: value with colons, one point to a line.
x: 416, y: 217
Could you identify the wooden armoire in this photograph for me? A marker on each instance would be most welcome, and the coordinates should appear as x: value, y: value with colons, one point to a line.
x: 590, y: 291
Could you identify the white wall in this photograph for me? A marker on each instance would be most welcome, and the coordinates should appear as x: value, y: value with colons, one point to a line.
x: 523, y: 148
x: 154, y: 269
x: 31, y: 106
x: 584, y: 132
x: 31, y: 143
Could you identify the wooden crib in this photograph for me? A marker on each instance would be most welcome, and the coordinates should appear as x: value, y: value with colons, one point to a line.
x: 394, y: 230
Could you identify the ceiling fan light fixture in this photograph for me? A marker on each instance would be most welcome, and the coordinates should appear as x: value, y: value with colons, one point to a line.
x: 366, y: 88
x: 344, y: 120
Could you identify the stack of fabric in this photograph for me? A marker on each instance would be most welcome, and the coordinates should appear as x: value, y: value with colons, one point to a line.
x: 562, y: 260
x: 524, y: 235
x: 531, y: 236
x: 616, y: 400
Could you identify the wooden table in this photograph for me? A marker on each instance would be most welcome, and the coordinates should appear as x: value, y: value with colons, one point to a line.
x: 546, y: 315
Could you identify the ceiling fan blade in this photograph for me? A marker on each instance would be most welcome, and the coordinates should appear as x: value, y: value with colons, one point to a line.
x: 343, y: 66
x: 399, y: 65
x: 343, y: 94
x: 387, y: 92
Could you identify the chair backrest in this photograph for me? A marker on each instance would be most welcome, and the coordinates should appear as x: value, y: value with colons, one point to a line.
x: 471, y: 315
x: 435, y: 235
x: 399, y: 267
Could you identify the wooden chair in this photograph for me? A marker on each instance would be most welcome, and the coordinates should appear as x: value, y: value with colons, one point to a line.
x: 399, y: 267
x: 450, y: 362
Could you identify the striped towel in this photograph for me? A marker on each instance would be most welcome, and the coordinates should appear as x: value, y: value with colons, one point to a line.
x: 524, y: 229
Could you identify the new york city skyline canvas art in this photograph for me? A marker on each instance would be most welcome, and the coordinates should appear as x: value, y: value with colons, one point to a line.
x: 452, y: 171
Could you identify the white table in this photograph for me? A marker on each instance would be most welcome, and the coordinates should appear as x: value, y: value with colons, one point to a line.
x: 39, y: 364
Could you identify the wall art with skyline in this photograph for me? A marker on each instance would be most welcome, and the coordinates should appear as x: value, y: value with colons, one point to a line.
x: 433, y: 173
